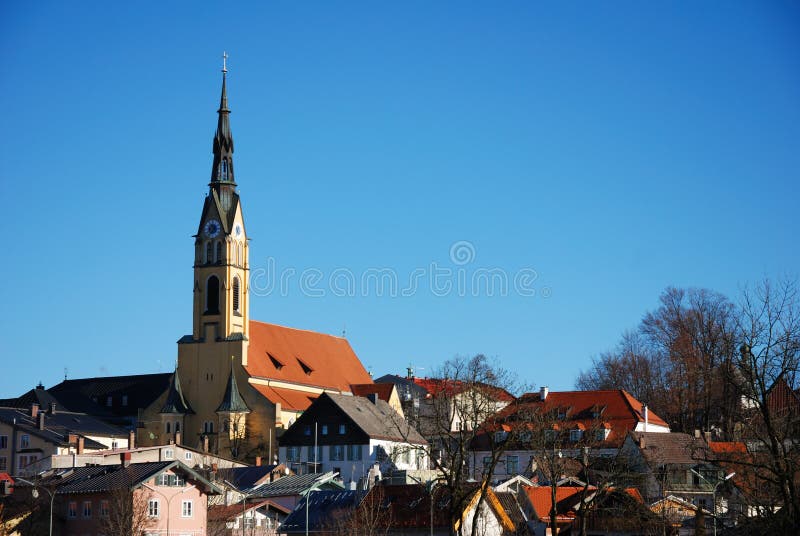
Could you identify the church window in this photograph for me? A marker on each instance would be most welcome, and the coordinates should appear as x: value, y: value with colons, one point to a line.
x: 209, y: 253
x: 224, y: 170
x: 226, y: 425
x: 219, y: 251
x: 168, y: 427
x: 212, y: 295
x: 177, y: 426
x: 236, y: 294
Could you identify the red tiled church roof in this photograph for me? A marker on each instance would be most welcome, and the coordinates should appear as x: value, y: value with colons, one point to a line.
x: 289, y: 399
x: 303, y: 357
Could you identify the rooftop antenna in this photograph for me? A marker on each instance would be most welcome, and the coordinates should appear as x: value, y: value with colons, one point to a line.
x: 65, y: 373
x: 344, y: 330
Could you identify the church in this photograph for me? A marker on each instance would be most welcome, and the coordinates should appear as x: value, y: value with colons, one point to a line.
x: 238, y: 383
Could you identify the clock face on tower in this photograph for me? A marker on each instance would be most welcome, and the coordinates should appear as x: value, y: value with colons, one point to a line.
x: 212, y: 228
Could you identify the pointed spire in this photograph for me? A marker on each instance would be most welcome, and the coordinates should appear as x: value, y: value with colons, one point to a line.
x: 222, y: 169
x: 175, y: 402
x: 232, y: 402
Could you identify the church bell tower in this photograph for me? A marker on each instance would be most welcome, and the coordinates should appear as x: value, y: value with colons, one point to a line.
x: 221, y: 304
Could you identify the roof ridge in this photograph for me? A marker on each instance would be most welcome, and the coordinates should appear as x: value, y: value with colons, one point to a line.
x: 298, y: 329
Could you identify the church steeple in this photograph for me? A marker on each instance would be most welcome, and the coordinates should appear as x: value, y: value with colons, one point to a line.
x: 222, y: 169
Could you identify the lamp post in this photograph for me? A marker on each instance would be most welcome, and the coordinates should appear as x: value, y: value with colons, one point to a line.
x: 245, y: 496
x: 308, y: 499
x: 714, y: 493
x: 35, y: 495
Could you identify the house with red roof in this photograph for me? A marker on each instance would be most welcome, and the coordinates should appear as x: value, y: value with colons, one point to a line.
x: 568, y: 420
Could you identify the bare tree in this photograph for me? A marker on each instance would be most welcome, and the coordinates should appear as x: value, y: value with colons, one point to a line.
x: 127, y: 512
x: 769, y: 330
x: 462, y: 408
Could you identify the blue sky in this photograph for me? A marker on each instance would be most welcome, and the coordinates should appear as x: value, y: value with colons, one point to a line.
x: 613, y: 148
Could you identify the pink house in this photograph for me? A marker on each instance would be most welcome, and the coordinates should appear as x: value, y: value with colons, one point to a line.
x: 164, y: 498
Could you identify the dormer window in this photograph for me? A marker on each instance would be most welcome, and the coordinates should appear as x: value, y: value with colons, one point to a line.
x: 308, y: 370
x: 576, y: 434
x: 277, y: 364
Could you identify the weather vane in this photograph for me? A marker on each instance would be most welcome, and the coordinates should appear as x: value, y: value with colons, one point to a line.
x: 224, y: 59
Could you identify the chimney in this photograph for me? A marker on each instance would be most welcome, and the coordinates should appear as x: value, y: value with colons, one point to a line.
x: 80, y: 444
x: 178, y: 438
x: 125, y: 459
x: 52, y: 408
x: 543, y: 392
x: 707, y: 436
x: 372, y: 397
x: 34, y: 410
x: 132, y: 439
x: 642, y: 442
x: 72, y: 439
x: 205, y: 443
x: 696, y: 433
x: 646, y: 418
x: 41, y: 420
x: 258, y: 461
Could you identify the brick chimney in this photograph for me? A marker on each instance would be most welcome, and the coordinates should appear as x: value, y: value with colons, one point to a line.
x: 80, y: 444
x: 132, y: 439
x: 34, y: 410
x: 52, y: 408
x: 543, y: 392
x: 258, y: 461
x: 72, y: 439
x: 125, y: 459
x: 41, y: 420
x: 642, y: 442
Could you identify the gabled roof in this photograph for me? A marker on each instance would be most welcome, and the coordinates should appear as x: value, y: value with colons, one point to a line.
x: 325, y: 509
x: 495, y: 506
x: 245, y: 478
x: 289, y: 399
x: 566, y: 498
x: 58, y: 426
x: 175, y: 402
x: 383, y: 390
x: 375, y: 419
x: 672, y: 448
x: 303, y: 357
x: 407, y: 390
x: 437, y: 386
x: 614, y: 410
x: 294, y: 485
x: 221, y: 512
x: 103, y: 478
x: 90, y: 395
x: 37, y: 395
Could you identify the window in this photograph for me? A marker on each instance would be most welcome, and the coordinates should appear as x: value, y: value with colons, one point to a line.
x: 236, y: 294
x: 212, y: 295
x: 601, y: 434
x: 354, y: 452
x: 208, y: 427
x: 310, y: 453
x: 324, y: 429
x: 72, y: 509
x: 114, y: 444
x: 337, y: 452
x: 3, y: 463
x: 152, y: 508
x: 307, y: 430
x: 109, y: 401
x: 576, y: 434
x: 549, y: 435
x: 87, y: 509
x: 169, y: 454
x: 104, y: 508
x: 3, y: 441
x: 223, y: 170
x: 342, y: 429
x: 308, y: 370
x: 218, y: 257
x: 277, y: 364
x: 293, y: 454
x: 187, y: 456
x: 168, y: 427
x: 500, y: 436
x: 27, y: 459
x: 24, y: 441
x: 209, y: 253
x: 512, y: 465
x: 186, y: 508
x: 487, y: 461
x: 177, y: 426
x: 124, y: 400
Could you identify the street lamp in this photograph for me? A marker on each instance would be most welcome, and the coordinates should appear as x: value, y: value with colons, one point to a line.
x: 35, y: 495
x: 308, y: 499
x: 714, y: 492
